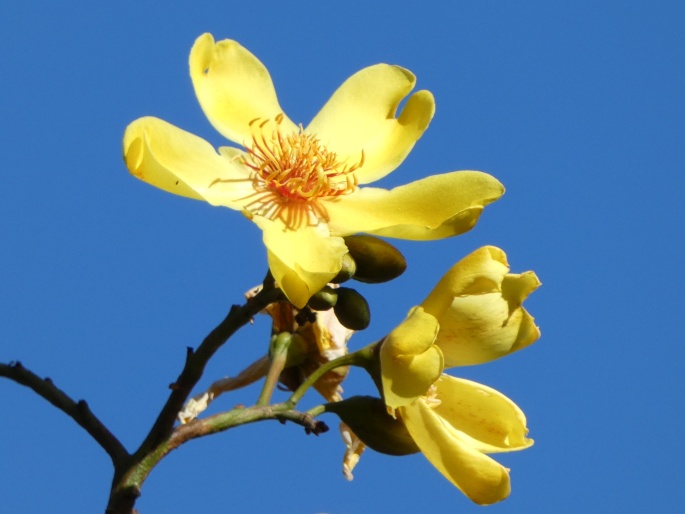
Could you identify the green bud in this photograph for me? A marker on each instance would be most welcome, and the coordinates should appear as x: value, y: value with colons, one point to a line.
x: 293, y: 345
x: 352, y: 309
x: 349, y: 267
x: 367, y: 417
x: 324, y: 299
x: 377, y: 261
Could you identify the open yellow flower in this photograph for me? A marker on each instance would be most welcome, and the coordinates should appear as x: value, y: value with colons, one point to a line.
x: 301, y: 185
x: 453, y: 421
x: 478, y: 305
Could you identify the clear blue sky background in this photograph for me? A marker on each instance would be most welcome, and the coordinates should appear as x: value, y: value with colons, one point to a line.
x: 577, y: 107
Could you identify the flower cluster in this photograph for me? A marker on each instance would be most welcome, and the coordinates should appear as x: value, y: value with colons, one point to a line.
x: 306, y: 188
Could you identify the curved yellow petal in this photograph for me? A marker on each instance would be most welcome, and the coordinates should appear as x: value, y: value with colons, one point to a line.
x: 181, y: 163
x: 480, y: 328
x: 492, y: 421
x: 410, y: 363
x: 360, y: 116
x: 481, y: 271
x: 439, y: 204
x: 413, y: 336
x: 478, y: 305
x: 478, y: 476
x: 233, y: 88
x: 516, y: 288
x: 410, y: 378
x: 302, y: 261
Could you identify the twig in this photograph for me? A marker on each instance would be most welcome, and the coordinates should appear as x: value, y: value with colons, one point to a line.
x: 78, y: 411
x: 196, y: 362
x: 198, y: 403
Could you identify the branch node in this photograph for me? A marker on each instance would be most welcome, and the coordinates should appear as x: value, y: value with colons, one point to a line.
x: 315, y: 427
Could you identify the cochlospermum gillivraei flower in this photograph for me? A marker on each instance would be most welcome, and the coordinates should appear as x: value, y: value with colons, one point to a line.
x: 300, y: 185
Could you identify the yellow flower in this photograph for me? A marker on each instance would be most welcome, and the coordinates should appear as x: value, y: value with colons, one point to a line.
x: 301, y: 185
x: 453, y: 421
x: 478, y: 305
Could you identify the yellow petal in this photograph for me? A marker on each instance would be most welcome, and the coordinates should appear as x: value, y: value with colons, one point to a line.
x: 302, y: 261
x: 441, y: 205
x: 233, y: 88
x: 481, y: 271
x: 410, y: 363
x: 478, y: 305
x: 413, y: 336
x: 480, y: 328
x: 360, y: 116
x: 478, y: 476
x: 491, y: 420
x: 181, y: 163
x: 516, y: 288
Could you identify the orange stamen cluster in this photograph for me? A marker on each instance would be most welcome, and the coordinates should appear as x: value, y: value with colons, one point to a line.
x: 292, y: 172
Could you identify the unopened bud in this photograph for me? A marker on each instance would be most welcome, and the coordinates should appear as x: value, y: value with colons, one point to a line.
x: 324, y: 299
x: 377, y: 261
x: 352, y: 309
x: 292, y: 345
x: 349, y: 267
x: 367, y: 418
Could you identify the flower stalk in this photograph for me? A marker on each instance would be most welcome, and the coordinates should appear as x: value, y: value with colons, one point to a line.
x: 363, y: 358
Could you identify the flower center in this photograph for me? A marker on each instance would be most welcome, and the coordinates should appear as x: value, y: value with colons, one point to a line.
x: 292, y: 173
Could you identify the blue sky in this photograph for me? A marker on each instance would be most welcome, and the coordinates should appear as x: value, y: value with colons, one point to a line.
x: 577, y: 107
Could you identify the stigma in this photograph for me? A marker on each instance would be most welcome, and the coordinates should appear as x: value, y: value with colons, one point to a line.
x: 292, y: 173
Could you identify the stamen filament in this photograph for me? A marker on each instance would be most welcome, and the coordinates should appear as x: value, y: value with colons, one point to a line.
x: 291, y: 173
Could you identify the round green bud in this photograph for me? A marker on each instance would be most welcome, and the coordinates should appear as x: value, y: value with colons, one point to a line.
x: 349, y: 267
x: 367, y: 417
x: 352, y: 309
x: 377, y: 261
x: 324, y: 299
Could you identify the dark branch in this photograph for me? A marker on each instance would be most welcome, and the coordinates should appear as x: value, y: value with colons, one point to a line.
x: 196, y: 362
x: 78, y: 411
